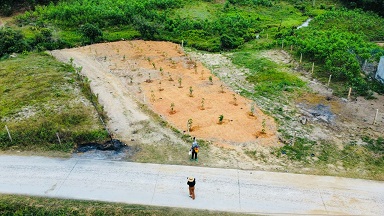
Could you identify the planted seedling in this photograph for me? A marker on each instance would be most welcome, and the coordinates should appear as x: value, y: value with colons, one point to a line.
x: 234, y: 99
x: 202, y: 103
x: 210, y: 80
x: 190, y: 91
x: 189, y: 125
x: 153, y: 98
x: 202, y: 74
x: 179, y: 80
x: 221, y: 118
x: 263, y: 126
x: 170, y: 77
x: 154, y: 66
x: 160, y: 88
x: 195, y: 67
x: 130, y: 80
x: 161, y: 71
x: 149, y: 80
x: 252, y: 113
x: 222, y: 88
x: 172, y: 108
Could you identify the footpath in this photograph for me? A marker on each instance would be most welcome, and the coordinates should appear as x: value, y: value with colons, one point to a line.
x: 258, y: 192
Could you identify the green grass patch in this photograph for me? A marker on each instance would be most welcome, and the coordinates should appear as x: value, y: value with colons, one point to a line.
x: 42, y: 99
x: 28, y: 205
x: 357, y: 161
x: 267, y: 76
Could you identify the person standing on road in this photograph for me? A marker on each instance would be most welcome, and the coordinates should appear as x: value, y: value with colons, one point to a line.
x: 191, y: 183
x: 194, y: 149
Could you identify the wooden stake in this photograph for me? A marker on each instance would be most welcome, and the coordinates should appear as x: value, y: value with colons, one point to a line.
x: 374, y: 120
x: 301, y: 57
x: 267, y: 36
x: 349, y: 93
x: 57, y: 134
x: 282, y: 44
x: 294, y: 139
x: 291, y: 47
x: 329, y: 80
x: 313, y: 67
x: 9, y: 134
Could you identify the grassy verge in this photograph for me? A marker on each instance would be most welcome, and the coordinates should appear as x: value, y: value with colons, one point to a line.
x: 26, y: 205
x: 45, y: 105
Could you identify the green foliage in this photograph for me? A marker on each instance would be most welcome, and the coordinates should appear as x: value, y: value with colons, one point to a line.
x: 376, y: 146
x: 267, y: 3
x: 221, y: 118
x: 11, y: 41
x: 38, y: 102
x: 299, y: 150
x: 369, y: 5
x: 344, y: 49
x: 91, y: 32
x: 7, y: 7
x: 39, y: 206
x: 266, y: 75
x: 358, y: 22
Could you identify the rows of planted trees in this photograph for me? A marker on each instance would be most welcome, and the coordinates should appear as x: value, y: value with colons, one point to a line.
x: 339, y: 41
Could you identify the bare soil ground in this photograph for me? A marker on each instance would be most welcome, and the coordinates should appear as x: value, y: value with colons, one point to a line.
x: 132, y: 76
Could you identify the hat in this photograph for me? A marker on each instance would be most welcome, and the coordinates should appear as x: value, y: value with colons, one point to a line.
x: 191, y: 179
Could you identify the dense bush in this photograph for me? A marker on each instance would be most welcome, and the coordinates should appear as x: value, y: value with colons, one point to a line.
x: 354, y: 21
x: 154, y: 20
x: 11, y: 41
x: 7, y: 7
x: 91, y: 32
x: 371, y: 5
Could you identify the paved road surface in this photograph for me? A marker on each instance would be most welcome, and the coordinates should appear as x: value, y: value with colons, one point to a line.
x: 216, y: 189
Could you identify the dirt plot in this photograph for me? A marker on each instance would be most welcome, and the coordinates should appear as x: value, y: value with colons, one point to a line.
x: 160, y: 74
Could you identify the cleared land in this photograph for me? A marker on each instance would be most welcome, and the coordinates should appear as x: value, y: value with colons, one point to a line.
x: 166, y: 76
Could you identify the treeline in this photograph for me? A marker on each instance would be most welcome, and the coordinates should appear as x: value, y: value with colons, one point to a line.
x: 339, y: 40
x: 152, y: 19
x: 7, y: 7
x: 370, y: 5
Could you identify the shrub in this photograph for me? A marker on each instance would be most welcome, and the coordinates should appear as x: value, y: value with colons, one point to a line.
x: 91, y: 32
x: 11, y: 41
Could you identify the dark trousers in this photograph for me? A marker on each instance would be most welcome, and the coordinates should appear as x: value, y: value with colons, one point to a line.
x: 194, y: 155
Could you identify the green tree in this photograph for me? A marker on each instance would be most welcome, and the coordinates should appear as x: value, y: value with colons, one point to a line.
x: 91, y: 32
x: 147, y: 29
x: 11, y: 41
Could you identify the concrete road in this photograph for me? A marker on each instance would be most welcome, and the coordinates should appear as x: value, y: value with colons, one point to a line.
x: 216, y: 189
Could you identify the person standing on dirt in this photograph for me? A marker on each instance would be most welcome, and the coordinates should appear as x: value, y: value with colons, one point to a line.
x: 194, y: 149
x: 191, y: 183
